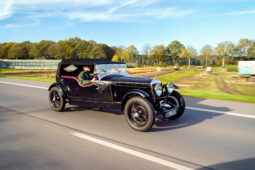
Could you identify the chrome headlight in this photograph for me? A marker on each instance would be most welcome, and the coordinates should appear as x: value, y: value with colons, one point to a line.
x: 158, y: 89
x: 169, y: 87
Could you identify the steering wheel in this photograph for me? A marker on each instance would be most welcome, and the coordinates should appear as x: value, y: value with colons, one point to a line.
x: 95, y: 76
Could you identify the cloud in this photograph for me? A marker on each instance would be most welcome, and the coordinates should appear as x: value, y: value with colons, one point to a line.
x: 93, y: 10
x: 5, y: 9
x: 171, y: 12
x: 132, y: 10
x: 134, y: 3
x: 146, y: 14
x: 8, y: 26
x: 59, y: 2
x: 242, y: 12
x: 15, y: 26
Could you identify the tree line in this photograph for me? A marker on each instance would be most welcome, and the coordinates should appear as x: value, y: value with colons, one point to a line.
x: 174, y: 53
x: 70, y: 48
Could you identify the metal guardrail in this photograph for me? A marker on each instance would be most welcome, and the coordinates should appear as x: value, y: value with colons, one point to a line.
x: 29, y: 64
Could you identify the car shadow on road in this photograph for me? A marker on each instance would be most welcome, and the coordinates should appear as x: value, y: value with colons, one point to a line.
x: 189, y: 118
x: 105, y: 110
x: 244, y: 164
x: 75, y: 108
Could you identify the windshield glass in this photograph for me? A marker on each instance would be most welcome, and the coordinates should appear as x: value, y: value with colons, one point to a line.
x: 107, y: 69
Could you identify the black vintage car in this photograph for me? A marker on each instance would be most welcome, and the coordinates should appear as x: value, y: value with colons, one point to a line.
x: 141, y: 99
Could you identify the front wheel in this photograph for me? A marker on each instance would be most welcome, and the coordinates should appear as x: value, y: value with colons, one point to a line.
x: 56, y: 100
x: 178, y: 100
x: 139, y: 113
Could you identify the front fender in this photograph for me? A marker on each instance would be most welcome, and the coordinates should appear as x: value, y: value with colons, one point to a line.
x: 60, y: 87
x: 132, y: 93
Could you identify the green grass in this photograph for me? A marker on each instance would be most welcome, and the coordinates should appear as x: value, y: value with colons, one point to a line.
x: 12, y: 70
x: 52, y: 80
x: 177, y: 75
x: 231, y: 68
x: 9, y: 70
x: 206, y: 87
x: 217, y: 95
x: 249, y: 90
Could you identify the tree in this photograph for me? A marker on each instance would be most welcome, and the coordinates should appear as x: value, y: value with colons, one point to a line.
x: 146, y: 52
x: 83, y: 49
x: 19, y: 51
x: 241, y: 50
x: 34, y: 50
x: 39, y: 50
x: 129, y: 53
x: 1, y: 46
x: 54, y: 51
x: 251, y: 50
x: 224, y: 49
x: 5, y: 49
x: 71, y: 47
x: 115, y: 58
x: 206, y: 52
x: 98, y: 53
x: 157, y: 53
x: 108, y: 51
x: 174, y: 50
x: 118, y: 54
x: 188, y: 53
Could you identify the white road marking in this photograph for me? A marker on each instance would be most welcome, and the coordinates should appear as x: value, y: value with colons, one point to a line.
x: 187, y: 107
x: 25, y: 85
x: 131, y: 152
x: 221, y: 112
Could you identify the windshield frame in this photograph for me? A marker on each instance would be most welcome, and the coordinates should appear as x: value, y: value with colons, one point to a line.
x: 119, y: 69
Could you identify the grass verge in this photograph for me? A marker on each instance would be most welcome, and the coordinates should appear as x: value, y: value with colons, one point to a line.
x: 177, y: 75
x: 51, y: 80
x: 218, y: 95
x: 11, y: 70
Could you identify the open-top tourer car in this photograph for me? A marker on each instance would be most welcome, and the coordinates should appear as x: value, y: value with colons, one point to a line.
x: 141, y: 99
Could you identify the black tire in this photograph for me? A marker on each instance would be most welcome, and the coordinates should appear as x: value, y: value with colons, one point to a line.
x: 139, y: 113
x: 56, y: 100
x: 177, y: 99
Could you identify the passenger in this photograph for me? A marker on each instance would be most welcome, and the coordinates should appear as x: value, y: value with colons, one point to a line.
x: 84, y: 76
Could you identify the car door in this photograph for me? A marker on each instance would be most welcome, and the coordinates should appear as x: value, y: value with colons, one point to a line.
x: 103, y: 89
x: 85, y: 93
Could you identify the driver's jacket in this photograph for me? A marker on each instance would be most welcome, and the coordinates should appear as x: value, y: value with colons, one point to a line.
x: 84, y: 78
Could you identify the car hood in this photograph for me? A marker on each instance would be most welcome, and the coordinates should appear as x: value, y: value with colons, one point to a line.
x: 127, y: 79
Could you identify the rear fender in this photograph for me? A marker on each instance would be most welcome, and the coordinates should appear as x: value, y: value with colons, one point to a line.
x: 60, y: 87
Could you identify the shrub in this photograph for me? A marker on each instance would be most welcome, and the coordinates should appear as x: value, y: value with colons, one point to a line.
x: 231, y: 68
x: 163, y: 65
x: 130, y: 66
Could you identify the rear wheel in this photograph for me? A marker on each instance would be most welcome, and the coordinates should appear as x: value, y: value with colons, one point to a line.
x: 56, y: 100
x: 178, y: 100
x: 139, y: 113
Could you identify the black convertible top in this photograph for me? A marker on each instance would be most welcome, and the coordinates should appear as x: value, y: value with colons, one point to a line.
x: 83, y: 61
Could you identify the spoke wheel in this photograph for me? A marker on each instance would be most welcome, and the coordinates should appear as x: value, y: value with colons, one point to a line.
x: 56, y: 100
x: 139, y: 113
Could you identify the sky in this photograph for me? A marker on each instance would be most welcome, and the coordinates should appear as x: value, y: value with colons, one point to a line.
x: 129, y: 22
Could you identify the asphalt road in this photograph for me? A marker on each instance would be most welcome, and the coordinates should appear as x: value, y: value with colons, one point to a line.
x: 212, y: 134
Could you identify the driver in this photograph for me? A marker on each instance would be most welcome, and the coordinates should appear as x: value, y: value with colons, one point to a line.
x: 84, y: 77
